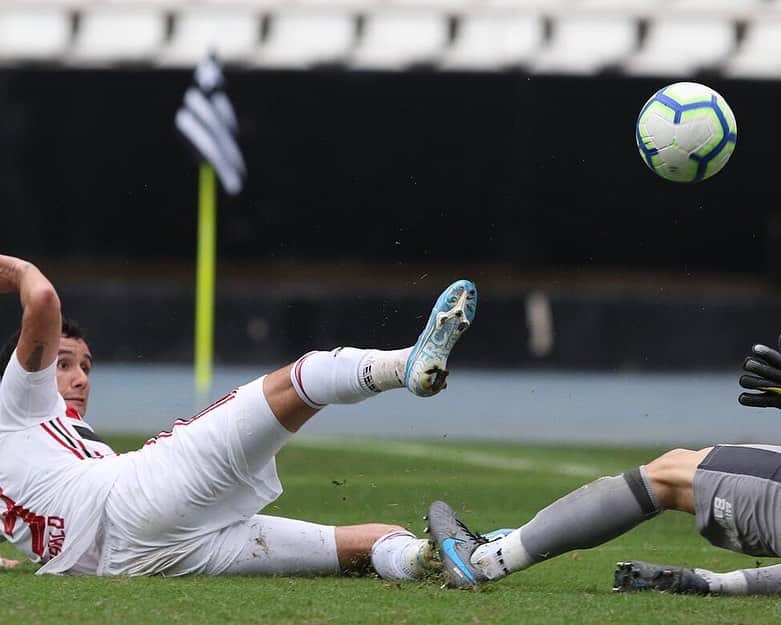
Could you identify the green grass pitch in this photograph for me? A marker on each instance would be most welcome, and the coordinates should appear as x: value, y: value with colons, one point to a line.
x: 492, y: 485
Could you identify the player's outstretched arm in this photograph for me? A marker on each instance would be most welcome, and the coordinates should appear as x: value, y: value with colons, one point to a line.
x: 41, y: 319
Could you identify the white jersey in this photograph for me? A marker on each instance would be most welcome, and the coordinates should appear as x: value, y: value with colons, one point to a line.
x: 55, y: 473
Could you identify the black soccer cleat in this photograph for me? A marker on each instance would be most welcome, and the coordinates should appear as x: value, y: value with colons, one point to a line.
x: 636, y: 575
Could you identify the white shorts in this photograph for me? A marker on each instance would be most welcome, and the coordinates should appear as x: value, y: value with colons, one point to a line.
x: 263, y: 545
x: 187, y: 501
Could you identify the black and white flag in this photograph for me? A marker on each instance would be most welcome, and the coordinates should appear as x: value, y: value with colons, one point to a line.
x: 208, y: 123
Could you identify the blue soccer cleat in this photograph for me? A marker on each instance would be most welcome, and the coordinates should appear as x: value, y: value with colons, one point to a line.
x: 497, y: 534
x: 452, y: 314
x: 455, y: 543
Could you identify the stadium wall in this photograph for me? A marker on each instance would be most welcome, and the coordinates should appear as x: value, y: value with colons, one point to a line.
x: 537, y: 175
x: 541, y: 172
x: 576, y: 330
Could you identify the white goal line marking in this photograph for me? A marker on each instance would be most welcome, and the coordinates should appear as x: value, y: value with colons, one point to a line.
x: 454, y: 454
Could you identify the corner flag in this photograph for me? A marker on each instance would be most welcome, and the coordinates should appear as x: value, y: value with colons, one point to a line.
x: 208, y: 123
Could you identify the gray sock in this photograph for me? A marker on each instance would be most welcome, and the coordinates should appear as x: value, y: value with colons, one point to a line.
x: 591, y: 515
x: 765, y: 580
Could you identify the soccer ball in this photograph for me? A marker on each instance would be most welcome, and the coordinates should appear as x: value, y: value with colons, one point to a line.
x: 686, y: 132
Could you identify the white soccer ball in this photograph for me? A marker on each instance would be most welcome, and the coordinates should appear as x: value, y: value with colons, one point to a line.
x: 686, y: 132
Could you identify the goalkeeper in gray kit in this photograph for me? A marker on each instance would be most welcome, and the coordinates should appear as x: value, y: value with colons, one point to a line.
x: 733, y: 490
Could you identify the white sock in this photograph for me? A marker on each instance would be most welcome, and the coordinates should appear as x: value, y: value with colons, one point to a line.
x: 382, y: 370
x: 400, y: 555
x: 347, y: 375
x: 502, y: 557
x: 732, y: 583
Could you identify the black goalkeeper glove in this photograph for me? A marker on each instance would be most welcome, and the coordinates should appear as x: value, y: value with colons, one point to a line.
x: 764, y: 369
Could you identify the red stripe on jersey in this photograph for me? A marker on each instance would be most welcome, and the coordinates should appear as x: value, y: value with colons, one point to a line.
x: 208, y: 409
x: 36, y: 523
x: 75, y: 438
x: 204, y: 412
x: 9, y: 518
x: 56, y: 438
x: 83, y: 448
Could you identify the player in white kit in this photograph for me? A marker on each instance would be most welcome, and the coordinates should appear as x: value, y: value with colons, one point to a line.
x: 187, y: 501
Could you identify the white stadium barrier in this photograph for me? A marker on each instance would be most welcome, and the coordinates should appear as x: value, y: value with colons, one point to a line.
x: 34, y: 32
x: 232, y: 31
x: 300, y: 39
x: 675, y: 38
x: 396, y: 39
x: 636, y: 8
x: 119, y: 34
x: 440, y: 5
x: 727, y: 8
x: 682, y: 45
x: 546, y: 6
x: 760, y: 54
x: 584, y: 43
x: 494, y: 40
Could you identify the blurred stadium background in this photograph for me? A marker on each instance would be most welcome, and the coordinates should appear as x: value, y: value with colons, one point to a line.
x: 393, y: 146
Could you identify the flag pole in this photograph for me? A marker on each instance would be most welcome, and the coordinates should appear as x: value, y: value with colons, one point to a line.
x: 205, y: 281
x: 208, y: 123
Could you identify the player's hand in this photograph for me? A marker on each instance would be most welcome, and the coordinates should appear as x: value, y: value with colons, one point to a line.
x: 763, y: 373
x: 8, y: 564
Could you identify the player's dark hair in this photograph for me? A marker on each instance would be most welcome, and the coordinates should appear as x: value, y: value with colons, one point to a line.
x: 70, y: 330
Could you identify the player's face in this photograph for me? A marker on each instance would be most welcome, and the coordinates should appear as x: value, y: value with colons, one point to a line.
x: 74, y: 363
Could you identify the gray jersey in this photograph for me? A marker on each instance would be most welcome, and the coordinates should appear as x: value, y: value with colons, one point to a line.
x: 737, y: 492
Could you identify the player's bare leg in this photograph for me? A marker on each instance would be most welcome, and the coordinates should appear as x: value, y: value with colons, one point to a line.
x: 733, y: 495
x: 672, y: 477
x: 585, y: 518
x: 284, y: 402
x: 389, y: 550
x: 354, y: 544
